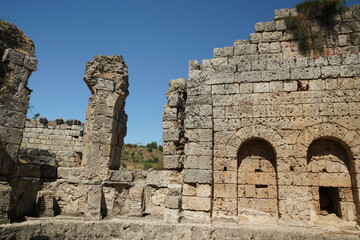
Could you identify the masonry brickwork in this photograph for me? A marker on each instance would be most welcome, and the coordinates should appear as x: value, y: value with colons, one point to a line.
x: 56, y: 143
x: 258, y: 135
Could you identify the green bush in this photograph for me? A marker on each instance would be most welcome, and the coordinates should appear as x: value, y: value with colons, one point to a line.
x: 152, y: 145
x: 156, y: 160
x: 147, y: 165
x: 160, y: 148
x: 320, y: 11
x: 124, y: 165
x: 149, y: 149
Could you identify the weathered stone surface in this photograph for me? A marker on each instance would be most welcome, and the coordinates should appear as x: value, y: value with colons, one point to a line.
x: 105, y: 128
x: 197, y: 176
x: 121, y: 176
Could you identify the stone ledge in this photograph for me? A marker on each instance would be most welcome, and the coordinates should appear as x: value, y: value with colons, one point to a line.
x: 134, y: 228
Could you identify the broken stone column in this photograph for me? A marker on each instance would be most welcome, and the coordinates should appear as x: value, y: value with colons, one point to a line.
x: 173, y: 124
x: 105, y: 126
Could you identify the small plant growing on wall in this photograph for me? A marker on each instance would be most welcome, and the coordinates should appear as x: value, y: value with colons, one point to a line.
x: 311, y: 13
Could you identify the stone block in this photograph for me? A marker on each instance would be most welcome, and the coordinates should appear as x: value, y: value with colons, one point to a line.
x: 43, y: 120
x: 261, y: 87
x: 196, y: 203
x: 270, y: 26
x: 290, y: 86
x: 171, y: 216
x: 197, y: 176
x: 198, y: 149
x: 255, y: 37
x: 267, y: 178
x: 330, y: 71
x: 271, y: 36
x: 334, y: 180
x: 225, y: 206
x: 93, y: 211
x: 259, y: 27
x: 280, y: 25
x: 203, y: 190
x: 264, y: 48
x: 198, y: 162
x: 121, y: 176
x: 170, y: 114
x: 30, y: 63
x: 281, y: 13
x: 174, y: 101
x: 189, y: 189
x: 225, y: 190
x: 13, y: 56
x: 225, y: 176
x: 174, y: 189
x: 172, y: 202
x: 172, y: 161
x: 59, y: 121
x: 171, y: 135
x: 218, y: 52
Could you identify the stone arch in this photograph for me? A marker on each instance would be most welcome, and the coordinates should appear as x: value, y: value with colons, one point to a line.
x: 332, y: 154
x: 257, y: 178
x: 226, y: 188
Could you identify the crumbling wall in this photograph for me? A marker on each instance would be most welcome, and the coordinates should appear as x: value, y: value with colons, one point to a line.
x: 18, y: 61
x: 173, y: 125
x: 56, y: 143
x: 264, y: 90
x: 105, y: 126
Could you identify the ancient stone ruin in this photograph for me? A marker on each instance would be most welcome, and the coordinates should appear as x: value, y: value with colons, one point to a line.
x: 260, y: 142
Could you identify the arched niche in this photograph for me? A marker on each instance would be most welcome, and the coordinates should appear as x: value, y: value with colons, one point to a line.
x: 332, y: 178
x: 257, y: 178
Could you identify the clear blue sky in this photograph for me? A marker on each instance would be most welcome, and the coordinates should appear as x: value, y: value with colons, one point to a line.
x: 156, y: 38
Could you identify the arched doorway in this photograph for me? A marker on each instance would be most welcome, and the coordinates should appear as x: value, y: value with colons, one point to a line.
x: 332, y: 178
x: 257, y: 179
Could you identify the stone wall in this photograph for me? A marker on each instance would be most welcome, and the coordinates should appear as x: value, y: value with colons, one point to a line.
x: 254, y: 116
x: 17, y: 54
x: 56, y: 143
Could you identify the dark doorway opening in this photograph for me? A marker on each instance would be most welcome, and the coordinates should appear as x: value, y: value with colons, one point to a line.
x: 329, y: 201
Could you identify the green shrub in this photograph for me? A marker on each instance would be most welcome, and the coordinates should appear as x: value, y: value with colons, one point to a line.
x: 147, y: 165
x: 320, y: 11
x: 149, y: 149
x: 160, y: 148
x: 124, y: 165
x: 156, y: 160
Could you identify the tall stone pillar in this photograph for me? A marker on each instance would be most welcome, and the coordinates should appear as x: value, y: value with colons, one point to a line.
x: 105, y: 126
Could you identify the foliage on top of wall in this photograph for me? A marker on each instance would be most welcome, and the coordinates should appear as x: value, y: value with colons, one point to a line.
x: 303, y: 27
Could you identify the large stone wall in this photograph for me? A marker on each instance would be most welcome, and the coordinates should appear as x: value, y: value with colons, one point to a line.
x: 257, y: 119
x: 259, y: 134
x: 56, y: 143
x: 17, y: 53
